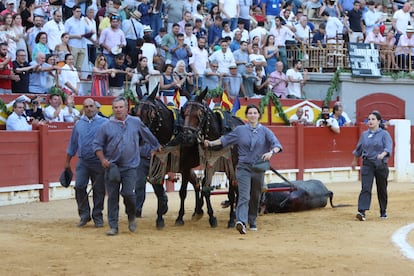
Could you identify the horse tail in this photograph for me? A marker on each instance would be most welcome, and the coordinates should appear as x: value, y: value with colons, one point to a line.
x: 330, y: 194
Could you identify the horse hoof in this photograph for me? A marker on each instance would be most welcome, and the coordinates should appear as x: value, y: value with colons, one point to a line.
x: 196, y: 216
x: 213, y: 222
x: 231, y: 224
x: 160, y: 224
x: 179, y: 222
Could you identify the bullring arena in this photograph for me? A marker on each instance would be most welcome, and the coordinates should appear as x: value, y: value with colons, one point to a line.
x: 42, y: 239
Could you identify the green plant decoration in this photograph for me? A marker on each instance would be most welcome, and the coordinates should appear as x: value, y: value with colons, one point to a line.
x: 333, y: 87
x: 3, y: 106
x: 57, y: 91
x: 129, y: 96
x: 275, y: 100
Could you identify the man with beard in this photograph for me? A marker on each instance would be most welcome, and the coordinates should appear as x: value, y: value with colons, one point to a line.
x: 199, y: 60
x: 295, y: 80
x: 6, y: 71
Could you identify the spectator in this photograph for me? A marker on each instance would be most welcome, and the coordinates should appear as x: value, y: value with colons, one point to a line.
x: 299, y: 117
x: 345, y: 5
x: 372, y: 18
x: 271, y: 53
x: 327, y: 121
x: 88, y: 167
x: 62, y: 49
x: 36, y: 111
x: 156, y: 21
x: 230, y: 9
x: 303, y: 31
x: 77, y: 30
x: 343, y: 113
x: 319, y: 38
x: 337, y: 115
x: 260, y: 32
x: 38, y: 81
x: 180, y: 51
x: 401, y: 19
x: 189, y: 38
x: 281, y: 33
x: 235, y: 43
x: 354, y: 24
x: 54, y: 112
x: 331, y: 8
x: 187, y: 19
x: 133, y: 29
x: 215, y: 32
x: 27, y: 15
x: 233, y: 83
x: 20, y: 33
x: 212, y: 78
x: 112, y: 40
x: 141, y: 78
x: 100, y: 72
x: 9, y: 8
x: 22, y: 69
x: 262, y: 82
x: 174, y: 10
x: 312, y: 8
x: 41, y: 45
x: 244, y: 14
x: 6, y: 71
x: 144, y: 9
x: 241, y: 57
x: 224, y: 57
x: 167, y: 81
x: 198, y: 29
x: 333, y: 28
x: 91, y: 37
x: 199, y: 61
x: 387, y: 52
x: 17, y: 121
x: 69, y: 78
x: 241, y: 28
x: 295, y: 80
x: 249, y: 80
x: 32, y: 33
x: 8, y: 35
x: 118, y: 75
x: 403, y: 51
x: 148, y: 49
x: 271, y: 8
x: 375, y: 37
x: 54, y: 30
x: 169, y: 40
x: 278, y: 81
x: 117, y: 142
x: 183, y: 79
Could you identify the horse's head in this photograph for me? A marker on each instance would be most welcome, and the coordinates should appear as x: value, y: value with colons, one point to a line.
x: 146, y: 109
x: 195, y: 114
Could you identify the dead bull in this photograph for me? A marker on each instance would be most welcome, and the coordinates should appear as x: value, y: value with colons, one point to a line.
x: 304, y: 195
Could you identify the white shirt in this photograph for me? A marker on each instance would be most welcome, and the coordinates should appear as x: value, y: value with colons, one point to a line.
x: 70, y: 117
x: 16, y: 122
x: 281, y: 35
x: 401, y: 20
x: 91, y: 25
x: 302, y: 33
x: 258, y: 31
x: 191, y: 41
x: 332, y: 121
x: 230, y: 6
x: 223, y: 59
x: 149, y: 51
x: 333, y: 27
x: 54, y: 32
x: 69, y: 75
x: 48, y: 113
x: 294, y: 88
x: 199, y: 59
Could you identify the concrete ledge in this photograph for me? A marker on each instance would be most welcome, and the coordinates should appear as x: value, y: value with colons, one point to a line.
x: 20, y: 194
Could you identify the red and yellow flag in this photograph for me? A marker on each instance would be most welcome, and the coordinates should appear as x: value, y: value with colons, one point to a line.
x: 176, y: 98
x: 226, y: 102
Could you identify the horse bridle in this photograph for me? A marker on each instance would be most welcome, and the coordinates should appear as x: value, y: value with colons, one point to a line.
x: 202, y: 119
x: 152, y: 115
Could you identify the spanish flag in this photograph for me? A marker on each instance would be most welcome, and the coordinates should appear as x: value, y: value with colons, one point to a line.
x: 226, y: 102
x: 176, y: 98
x: 236, y: 106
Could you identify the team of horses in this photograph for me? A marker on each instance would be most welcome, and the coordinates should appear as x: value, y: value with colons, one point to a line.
x: 181, y: 133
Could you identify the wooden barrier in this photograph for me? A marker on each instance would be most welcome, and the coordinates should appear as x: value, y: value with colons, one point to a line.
x: 37, y: 157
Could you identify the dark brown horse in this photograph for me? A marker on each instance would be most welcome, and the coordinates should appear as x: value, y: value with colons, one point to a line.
x: 200, y: 122
x: 165, y: 123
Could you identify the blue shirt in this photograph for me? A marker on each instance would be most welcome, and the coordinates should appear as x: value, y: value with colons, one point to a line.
x: 252, y: 142
x: 119, y: 141
x: 372, y: 143
x: 82, y: 137
x: 341, y: 120
x: 273, y: 7
x: 214, y: 35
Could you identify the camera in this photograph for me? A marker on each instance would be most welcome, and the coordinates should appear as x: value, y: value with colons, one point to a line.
x: 325, y: 115
x: 35, y: 102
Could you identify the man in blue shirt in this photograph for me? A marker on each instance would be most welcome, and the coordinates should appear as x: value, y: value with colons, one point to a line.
x: 272, y: 9
x: 117, y: 144
x: 214, y: 32
x: 88, y: 166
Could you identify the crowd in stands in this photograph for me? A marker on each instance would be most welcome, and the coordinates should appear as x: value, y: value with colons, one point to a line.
x: 239, y: 45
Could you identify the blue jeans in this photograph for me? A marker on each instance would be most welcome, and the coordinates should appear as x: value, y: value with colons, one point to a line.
x: 110, y: 60
x: 249, y: 184
x: 128, y: 179
x: 141, y: 183
x: 155, y: 23
x: 233, y: 23
x: 85, y: 170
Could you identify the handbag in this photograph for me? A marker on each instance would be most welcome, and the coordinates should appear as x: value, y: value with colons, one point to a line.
x: 261, y: 166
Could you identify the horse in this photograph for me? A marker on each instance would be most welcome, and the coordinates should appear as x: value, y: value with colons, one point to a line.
x: 200, y: 123
x: 165, y: 123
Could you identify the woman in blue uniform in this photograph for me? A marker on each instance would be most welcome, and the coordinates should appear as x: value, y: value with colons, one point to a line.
x: 255, y: 142
x: 375, y: 147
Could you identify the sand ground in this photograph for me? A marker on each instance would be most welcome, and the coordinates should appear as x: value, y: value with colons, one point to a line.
x: 42, y: 239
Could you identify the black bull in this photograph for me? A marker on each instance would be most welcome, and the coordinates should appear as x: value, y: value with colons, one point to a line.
x: 304, y: 195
